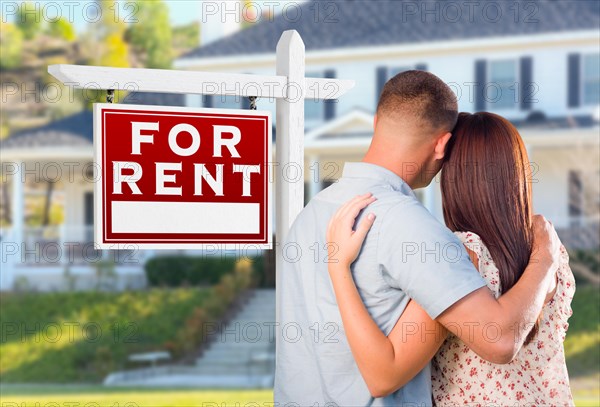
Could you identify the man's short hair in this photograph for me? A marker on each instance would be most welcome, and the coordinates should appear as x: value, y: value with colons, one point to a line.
x: 422, y: 96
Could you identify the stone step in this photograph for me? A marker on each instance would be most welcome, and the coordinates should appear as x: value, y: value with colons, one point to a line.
x: 244, y: 353
x: 245, y: 344
x: 240, y: 370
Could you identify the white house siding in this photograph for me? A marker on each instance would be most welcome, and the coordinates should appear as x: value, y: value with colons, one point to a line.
x: 551, y: 192
x: 455, y: 66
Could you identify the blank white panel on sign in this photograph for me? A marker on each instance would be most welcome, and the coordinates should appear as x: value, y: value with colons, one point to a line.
x: 185, y: 217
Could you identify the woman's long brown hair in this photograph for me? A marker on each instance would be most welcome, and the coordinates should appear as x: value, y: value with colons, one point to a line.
x: 486, y: 189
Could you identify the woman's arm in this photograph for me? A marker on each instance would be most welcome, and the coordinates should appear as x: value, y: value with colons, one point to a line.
x: 385, y: 362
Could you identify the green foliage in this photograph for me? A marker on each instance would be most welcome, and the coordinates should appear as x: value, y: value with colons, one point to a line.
x: 98, y: 330
x: 61, y: 28
x: 151, y: 35
x: 11, y: 46
x: 186, y: 36
x: 582, y: 345
x: 29, y: 19
x: 176, y: 271
x: 111, y: 22
x: 115, y: 52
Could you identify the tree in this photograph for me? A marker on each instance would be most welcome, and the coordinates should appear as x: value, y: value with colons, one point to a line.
x: 151, y: 35
x: 61, y: 28
x: 11, y: 45
x: 29, y: 19
x: 107, y: 39
x: 115, y: 52
x: 186, y: 37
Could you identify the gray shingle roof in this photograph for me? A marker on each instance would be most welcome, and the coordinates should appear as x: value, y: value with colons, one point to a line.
x: 73, y: 131
x: 356, y: 23
x: 77, y: 130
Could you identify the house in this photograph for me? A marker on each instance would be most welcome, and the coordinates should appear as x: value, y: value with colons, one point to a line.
x: 59, y: 155
x: 536, y: 63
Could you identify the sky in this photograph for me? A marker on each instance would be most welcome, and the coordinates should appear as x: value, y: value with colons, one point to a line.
x: 180, y: 11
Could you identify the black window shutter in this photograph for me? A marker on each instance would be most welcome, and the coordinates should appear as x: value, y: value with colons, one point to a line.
x: 480, y: 83
x: 208, y: 101
x: 329, y: 104
x: 245, y: 102
x: 525, y: 87
x: 421, y: 67
x: 382, y: 77
x: 573, y: 81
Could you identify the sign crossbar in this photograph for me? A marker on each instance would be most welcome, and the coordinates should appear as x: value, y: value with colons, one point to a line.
x: 196, y: 82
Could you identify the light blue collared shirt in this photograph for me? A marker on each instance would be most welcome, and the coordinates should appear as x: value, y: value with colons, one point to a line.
x: 407, y: 254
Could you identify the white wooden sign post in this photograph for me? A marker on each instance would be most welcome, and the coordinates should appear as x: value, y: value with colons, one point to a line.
x: 289, y: 86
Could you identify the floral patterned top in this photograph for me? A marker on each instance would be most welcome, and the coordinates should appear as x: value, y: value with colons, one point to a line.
x: 538, y: 374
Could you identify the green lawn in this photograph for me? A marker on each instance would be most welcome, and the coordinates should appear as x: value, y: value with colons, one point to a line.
x: 582, y: 345
x: 82, y: 336
x: 73, y: 395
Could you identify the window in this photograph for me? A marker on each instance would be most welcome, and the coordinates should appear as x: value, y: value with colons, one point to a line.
x: 501, y: 90
x: 396, y: 70
x: 591, y: 79
x: 227, y: 102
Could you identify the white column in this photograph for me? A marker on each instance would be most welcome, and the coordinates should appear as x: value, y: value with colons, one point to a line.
x: 533, y: 173
x: 290, y: 146
x: 18, y: 203
x: 12, y: 249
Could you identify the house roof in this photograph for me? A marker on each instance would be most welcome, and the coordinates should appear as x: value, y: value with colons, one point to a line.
x: 77, y: 130
x: 73, y: 131
x: 359, y: 23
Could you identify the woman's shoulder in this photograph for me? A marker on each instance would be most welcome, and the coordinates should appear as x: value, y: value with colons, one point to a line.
x: 474, y: 243
x: 485, y: 264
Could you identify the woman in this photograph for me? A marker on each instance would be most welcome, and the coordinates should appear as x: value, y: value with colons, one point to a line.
x: 486, y: 196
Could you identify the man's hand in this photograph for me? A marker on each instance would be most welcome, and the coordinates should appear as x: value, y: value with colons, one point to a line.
x: 546, y: 248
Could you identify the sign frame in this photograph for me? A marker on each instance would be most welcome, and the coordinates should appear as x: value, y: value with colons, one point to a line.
x: 99, y: 182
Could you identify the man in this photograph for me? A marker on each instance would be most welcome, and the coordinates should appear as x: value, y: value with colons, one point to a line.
x: 407, y: 254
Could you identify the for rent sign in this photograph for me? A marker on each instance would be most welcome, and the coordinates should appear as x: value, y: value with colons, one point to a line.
x: 173, y: 177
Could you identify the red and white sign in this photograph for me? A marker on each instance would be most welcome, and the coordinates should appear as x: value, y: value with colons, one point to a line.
x: 173, y: 177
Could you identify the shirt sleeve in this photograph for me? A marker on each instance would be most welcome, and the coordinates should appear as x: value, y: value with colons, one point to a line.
x: 422, y: 257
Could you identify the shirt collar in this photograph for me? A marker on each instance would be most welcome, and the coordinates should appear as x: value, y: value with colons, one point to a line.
x: 376, y: 172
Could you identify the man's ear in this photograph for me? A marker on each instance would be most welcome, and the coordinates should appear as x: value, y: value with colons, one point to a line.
x: 440, y: 146
x: 374, y: 121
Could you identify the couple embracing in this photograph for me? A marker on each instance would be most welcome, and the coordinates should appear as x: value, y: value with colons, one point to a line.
x: 406, y: 311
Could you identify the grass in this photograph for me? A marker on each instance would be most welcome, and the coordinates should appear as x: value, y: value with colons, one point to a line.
x: 81, y: 337
x: 98, y: 396
x: 582, y: 345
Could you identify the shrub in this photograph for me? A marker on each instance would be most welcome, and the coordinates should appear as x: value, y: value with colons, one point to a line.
x: 176, y: 271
